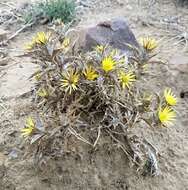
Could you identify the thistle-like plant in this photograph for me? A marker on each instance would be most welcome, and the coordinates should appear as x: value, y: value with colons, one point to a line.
x: 100, y: 90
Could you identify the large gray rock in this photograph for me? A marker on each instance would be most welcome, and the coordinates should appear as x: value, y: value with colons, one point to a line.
x: 115, y: 33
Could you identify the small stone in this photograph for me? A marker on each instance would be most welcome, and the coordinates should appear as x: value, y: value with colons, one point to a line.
x: 4, y: 61
x: 13, y: 154
x: 129, y: 7
x: 44, y: 20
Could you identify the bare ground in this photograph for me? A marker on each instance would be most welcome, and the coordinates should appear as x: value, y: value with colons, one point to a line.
x: 106, y: 167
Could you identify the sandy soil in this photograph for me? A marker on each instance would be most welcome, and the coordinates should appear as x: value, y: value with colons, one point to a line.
x: 104, y: 169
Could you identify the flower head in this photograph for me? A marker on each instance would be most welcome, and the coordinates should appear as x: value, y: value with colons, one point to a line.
x: 148, y: 43
x: 42, y: 93
x: 29, y: 127
x: 37, y: 76
x: 126, y: 79
x: 66, y: 43
x: 166, y: 115
x: 41, y: 38
x: 90, y: 73
x: 70, y: 80
x: 108, y: 64
x: 99, y: 48
x: 170, y: 97
x: 30, y: 45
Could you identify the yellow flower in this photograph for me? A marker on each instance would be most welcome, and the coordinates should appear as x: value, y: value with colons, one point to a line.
x: 42, y: 93
x: 30, y: 126
x: 108, y: 64
x: 42, y: 38
x: 70, y: 80
x: 100, y: 48
x: 29, y: 46
x: 166, y: 115
x: 170, y: 97
x: 126, y: 79
x: 66, y: 43
x: 37, y: 76
x: 148, y: 43
x: 90, y: 73
x: 145, y: 67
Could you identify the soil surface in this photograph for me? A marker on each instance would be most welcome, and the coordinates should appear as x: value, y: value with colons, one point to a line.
x: 102, y: 169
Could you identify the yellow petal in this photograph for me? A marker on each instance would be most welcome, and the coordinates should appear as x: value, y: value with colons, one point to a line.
x: 170, y: 97
x: 30, y: 122
x: 108, y: 64
x: 166, y: 115
x: 66, y: 42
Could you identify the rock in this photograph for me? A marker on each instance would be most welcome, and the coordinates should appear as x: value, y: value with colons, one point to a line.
x: 13, y: 154
x: 115, y: 33
x: 4, y: 61
x: 3, y: 35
